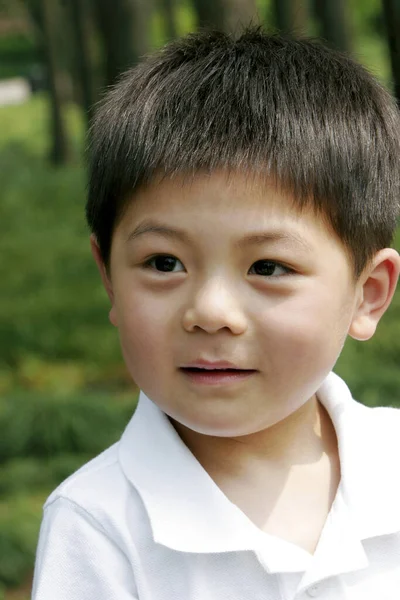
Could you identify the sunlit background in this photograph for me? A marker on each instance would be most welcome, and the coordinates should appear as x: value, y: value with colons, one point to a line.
x: 64, y: 392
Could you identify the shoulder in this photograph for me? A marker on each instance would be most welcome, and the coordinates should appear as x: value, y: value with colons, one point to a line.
x: 354, y: 418
x: 84, y: 528
x: 99, y: 490
x: 379, y: 426
x: 93, y: 480
x: 378, y: 415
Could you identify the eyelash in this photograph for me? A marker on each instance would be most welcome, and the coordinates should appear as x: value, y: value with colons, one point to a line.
x: 288, y: 270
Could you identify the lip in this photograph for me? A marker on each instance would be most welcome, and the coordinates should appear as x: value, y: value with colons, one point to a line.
x: 206, y: 364
x: 217, y: 378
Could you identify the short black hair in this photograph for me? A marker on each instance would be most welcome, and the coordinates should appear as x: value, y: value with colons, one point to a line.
x: 281, y: 106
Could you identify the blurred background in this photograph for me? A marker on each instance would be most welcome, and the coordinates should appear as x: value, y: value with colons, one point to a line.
x: 64, y: 392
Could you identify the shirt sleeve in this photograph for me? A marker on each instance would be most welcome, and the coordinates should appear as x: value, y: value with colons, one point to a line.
x: 77, y: 560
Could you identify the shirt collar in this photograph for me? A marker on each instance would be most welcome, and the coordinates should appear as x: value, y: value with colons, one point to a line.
x: 189, y: 512
x: 369, y: 445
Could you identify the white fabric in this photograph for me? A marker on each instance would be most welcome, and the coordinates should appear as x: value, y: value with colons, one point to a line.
x: 144, y: 521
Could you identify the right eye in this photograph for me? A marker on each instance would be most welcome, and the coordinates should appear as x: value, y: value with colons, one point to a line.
x: 163, y: 263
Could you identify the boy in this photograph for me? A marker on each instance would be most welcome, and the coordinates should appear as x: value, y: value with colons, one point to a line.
x: 243, y: 198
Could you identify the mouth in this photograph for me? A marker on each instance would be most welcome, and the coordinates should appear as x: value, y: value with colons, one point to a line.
x: 200, y: 370
x: 216, y: 376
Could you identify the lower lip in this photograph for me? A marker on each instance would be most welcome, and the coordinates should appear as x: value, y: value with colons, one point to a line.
x: 217, y: 377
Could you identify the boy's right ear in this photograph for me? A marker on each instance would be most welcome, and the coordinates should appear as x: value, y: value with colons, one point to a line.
x: 104, y: 276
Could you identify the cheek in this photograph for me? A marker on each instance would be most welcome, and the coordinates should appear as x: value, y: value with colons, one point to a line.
x: 144, y: 334
x: 305, y: 330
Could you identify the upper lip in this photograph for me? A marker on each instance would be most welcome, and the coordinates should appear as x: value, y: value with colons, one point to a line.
x: 206, y: 364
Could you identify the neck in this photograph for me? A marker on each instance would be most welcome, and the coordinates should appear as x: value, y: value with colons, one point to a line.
x: 284, y: 479
x: 303, y: 437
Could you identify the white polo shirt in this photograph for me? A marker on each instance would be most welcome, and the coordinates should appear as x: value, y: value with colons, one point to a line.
x: 145, y: 521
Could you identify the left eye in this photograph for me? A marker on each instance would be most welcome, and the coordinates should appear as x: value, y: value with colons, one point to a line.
x: 270, y: 268
x: 160, y: 261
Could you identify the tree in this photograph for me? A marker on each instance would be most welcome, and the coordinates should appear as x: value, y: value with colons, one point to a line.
x: 227, y: 15
x: 167, y: 10
x: 124, y: 26
x: 291, y: 15
x: 79, y: 18
x: 239, y: 13
x: 59, y: 153
x: 210, y: 13
x: 333, y: 19
x: 391, y: 9
x: 142, y: 15
x: 115, y: 24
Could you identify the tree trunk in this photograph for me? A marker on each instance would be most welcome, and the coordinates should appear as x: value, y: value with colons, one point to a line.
x: 392, y: 19
x: 291, y: 15
x: 59, y: 153
x: 142, y: 12
x: 115, y: 23
x: 167, y: 10
x: 240, y: 13
x: 124, y: 26
x: 334, y: 22
x: 210, y: 13
x: 79, y: 17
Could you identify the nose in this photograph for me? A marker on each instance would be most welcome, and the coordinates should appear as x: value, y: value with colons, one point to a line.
x: 215, y: 307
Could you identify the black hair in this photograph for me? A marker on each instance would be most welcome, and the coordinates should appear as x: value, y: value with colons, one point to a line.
x: 289, y: 108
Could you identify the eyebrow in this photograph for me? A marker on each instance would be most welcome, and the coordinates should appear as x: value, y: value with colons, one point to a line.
x: 256, y: 238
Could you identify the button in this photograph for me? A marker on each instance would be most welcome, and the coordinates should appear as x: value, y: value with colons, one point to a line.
x: 314, y: 590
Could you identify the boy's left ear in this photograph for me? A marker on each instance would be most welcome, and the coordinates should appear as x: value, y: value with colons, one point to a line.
x: 377, y: 284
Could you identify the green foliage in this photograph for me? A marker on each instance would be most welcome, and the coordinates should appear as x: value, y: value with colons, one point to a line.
x: 18, y: 54
x: 25, y: 133
x: 54, y: 306
x: 30, y: 474
x: 46, y: 426
x: 64, y: 393
x: 44, y: 440
x: 368, y: 33
x: 19, y: 527
x: 185, y: 22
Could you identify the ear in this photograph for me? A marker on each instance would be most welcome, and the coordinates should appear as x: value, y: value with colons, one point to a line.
x: 104, y: 277
x: 377, y: 287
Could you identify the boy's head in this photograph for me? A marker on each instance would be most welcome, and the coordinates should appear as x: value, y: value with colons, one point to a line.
x: 282, y: 141
x: 283, y: 108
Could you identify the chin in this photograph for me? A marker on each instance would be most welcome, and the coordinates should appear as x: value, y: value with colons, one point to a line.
x: 221, y: 429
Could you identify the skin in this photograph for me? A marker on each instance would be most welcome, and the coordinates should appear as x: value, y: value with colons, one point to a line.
x: 283, y: 307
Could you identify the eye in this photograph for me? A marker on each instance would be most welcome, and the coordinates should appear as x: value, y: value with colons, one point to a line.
x: 165, y: 263
x: 162, y: 262
x: 271, y: 268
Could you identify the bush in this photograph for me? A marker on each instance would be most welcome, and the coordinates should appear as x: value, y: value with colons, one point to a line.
x: 31, y: 474
x: 20, y: 521
x: 45, y: 438
x: 46, y: 426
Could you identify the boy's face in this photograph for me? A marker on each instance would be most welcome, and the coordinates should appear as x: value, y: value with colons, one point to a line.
x: 282, y: 306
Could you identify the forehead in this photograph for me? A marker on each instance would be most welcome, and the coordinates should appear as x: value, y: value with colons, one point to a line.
x: 221, y: 202
x: 221, y: 215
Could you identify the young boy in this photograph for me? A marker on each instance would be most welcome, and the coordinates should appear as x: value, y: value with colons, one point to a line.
x: 243, y: 199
